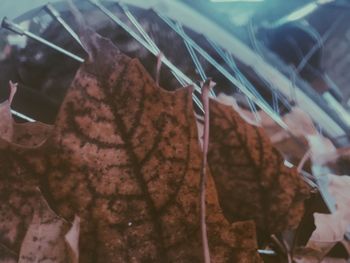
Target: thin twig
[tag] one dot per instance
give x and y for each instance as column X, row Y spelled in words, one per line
column 159, row 64
column 207, row 85
column 289, row 255
column 303, row 160
column 13, row 90
column 279, row 244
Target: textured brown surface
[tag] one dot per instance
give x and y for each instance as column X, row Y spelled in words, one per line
column 251, row 179
column 19, row 194
column 19, row 197
column 124, row 156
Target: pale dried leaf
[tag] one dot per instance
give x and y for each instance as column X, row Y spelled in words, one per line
column 313, row 255
column 72, row 240
column 331, row 228
column 339, row 188
column 334, row 260
column 248, row 116
column 30, row 134
column 6, row 121
column 322, row 149
column 44, row 240
column 310, row 259
column 292, row 143
column 299, row 123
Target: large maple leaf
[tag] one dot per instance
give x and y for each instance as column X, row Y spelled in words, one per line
column 124, row 156
column 250, row 175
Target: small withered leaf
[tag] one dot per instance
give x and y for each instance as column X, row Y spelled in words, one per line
column 251, row 179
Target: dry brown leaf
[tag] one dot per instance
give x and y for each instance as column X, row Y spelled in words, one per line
column 7, row 253
column 19, row 198
column 23, row 212
column 250, row 175
column 124, row 157
column 292, row 144
column 18, row 193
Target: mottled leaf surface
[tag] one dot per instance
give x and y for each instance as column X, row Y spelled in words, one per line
column 18, row 187
column 23, row 212
column 44, row 240
column 251, row 179
column 124, row 156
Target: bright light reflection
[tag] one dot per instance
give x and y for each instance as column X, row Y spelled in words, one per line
column 304, row 11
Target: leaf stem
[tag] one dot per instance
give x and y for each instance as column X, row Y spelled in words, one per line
column 206, row 86
column 159, row 64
